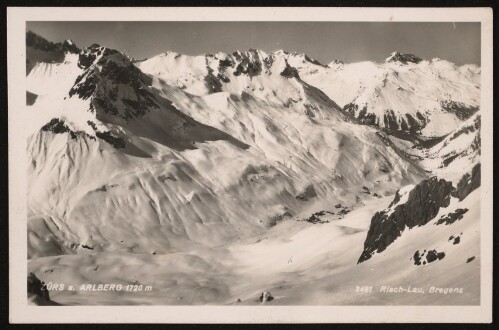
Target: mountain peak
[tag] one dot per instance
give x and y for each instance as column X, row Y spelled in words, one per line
column 69, row 46
column 38, row 42
column 296, row 55
column 280, row 52
column 114, row 85
column 403, row 58
column 39, row 49
column 336, row 62
column 94, row 46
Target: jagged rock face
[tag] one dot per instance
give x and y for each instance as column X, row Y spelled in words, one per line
column 472, row 127
column 115, row 86
column 468, row 183
column 461, row 110
column 420, row 206
column 70, row 47
column 362, row 115
column 460, row 147
column 290, row 72
column 58, row 126
column 91, row 53
column 248, row 63
column 214, row 83
column 403, row 58
column 314, row 61
column 390, row 122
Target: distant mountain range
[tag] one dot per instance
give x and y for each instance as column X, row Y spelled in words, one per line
column 181, row 153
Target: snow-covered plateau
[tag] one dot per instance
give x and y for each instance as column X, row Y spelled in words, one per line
column 210, row 179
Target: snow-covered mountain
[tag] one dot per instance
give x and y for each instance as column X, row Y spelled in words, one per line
column 269, row 77
column 415, row 206
column 405, row 95
column 198, row 156
column 39, row 49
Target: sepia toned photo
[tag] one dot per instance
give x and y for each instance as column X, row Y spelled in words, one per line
column 253, row 164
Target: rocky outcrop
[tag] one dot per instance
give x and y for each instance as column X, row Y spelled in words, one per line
column 265, row 296
column 468, row 183
column 249, row 64
column 401, row 106
column 212, row 82
column 416, row 208
column 430, row 257
column 403, row 58
column 455, row 239
column 461, row 110
column 115, row 86
column 307, row 194
column 422, row 205
column 107, row 136
column 452, row 217
column 390, row 122
column 433, row 255
column 316, row 217
column 459, row 150
column 30, row 98
column 472, row 127
column 290, row 72
column 365, row 118
column 58, row 126
column 37, row 291
column 314, row 61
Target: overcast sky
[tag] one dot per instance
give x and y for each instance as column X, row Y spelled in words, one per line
column 324, row 41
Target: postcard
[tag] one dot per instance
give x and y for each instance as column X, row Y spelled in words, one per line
column 250, row 165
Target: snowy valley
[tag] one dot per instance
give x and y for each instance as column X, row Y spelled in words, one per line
column 216, row 177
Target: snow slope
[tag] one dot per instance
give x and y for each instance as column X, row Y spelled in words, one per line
column 139, row 165
column 190, row 173
column 388, row 95
column 458, row 152
column 299, row 263
column 402, row 97
column 268, row 77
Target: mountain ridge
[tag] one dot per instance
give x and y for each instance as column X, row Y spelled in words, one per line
column 248, row 167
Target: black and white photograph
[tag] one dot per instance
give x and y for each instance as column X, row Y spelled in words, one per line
column 254, row 163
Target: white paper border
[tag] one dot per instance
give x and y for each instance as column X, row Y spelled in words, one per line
column 21, row 312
